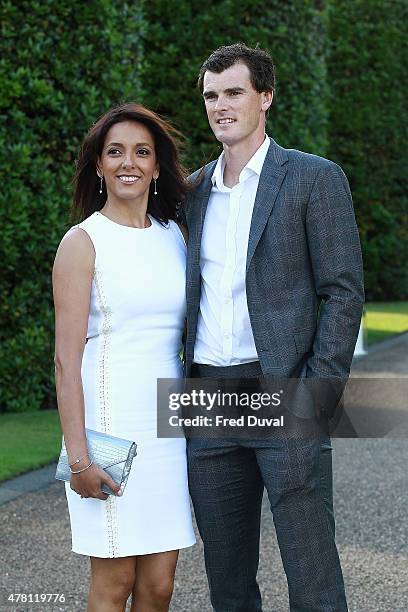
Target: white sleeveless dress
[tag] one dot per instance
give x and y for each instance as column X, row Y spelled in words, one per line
column 136, row 320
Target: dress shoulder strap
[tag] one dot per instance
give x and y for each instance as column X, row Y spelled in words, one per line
column 95, row 230
column 179, row 231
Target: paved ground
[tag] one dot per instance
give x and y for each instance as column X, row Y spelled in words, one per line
column 371, row 500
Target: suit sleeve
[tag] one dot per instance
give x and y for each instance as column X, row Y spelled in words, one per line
column 335, row 253
column 183, row 206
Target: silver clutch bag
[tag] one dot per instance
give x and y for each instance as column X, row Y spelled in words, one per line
column 114, row 455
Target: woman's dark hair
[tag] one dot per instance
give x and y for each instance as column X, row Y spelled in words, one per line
column 171, row 184
column 258, row 62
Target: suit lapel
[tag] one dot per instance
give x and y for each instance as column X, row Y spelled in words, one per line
column 196, row 216
column 201, row 198
column 273, row 172
column 270, row 181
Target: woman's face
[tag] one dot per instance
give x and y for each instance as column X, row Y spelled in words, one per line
column 128, row 161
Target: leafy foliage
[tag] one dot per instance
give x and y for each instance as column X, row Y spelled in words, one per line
column 179, row 36
column 62, row 65
column 368, row 133
column 341, row 92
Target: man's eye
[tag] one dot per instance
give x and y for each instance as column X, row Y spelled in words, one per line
column 235, row 93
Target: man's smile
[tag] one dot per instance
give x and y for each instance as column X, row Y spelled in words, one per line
column 225, row 121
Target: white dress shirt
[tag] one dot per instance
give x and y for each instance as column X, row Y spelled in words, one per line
column 224, row 334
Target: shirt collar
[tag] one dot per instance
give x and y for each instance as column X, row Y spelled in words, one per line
column 218, row 174
column 254, row 165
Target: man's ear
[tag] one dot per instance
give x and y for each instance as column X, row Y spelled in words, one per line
column 267, row 97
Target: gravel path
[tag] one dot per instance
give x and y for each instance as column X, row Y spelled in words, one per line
column 371, row 497
column 371, row 501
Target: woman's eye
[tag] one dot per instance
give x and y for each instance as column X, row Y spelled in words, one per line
column 113, row 151
column 143, row 152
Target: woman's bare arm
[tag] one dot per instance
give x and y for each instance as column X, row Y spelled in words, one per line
column 72, row 281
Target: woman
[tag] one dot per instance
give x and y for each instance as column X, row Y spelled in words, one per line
column 119, row 293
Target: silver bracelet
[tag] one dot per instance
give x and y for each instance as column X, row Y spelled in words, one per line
column 76, row 461
column 83, row 469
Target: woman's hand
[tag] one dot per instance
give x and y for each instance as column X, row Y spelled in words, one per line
column 88, row 483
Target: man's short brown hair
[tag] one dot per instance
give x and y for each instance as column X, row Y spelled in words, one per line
column 258, row 62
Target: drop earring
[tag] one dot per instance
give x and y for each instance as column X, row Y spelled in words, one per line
column 155, row 186
column 100, row 189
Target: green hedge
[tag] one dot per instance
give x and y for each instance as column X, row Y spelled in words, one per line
column 178, row 37
column 62, row 65
column 368, row 136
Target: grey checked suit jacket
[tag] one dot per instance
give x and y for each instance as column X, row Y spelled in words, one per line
column 304, row 278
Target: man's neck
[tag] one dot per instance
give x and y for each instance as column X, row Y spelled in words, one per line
column 238, row 155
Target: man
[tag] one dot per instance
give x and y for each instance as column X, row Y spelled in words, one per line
column 274, row 287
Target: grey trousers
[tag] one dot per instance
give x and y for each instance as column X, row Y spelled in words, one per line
column 227, row 479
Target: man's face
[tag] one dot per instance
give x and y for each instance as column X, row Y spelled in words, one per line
column 235, row 110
